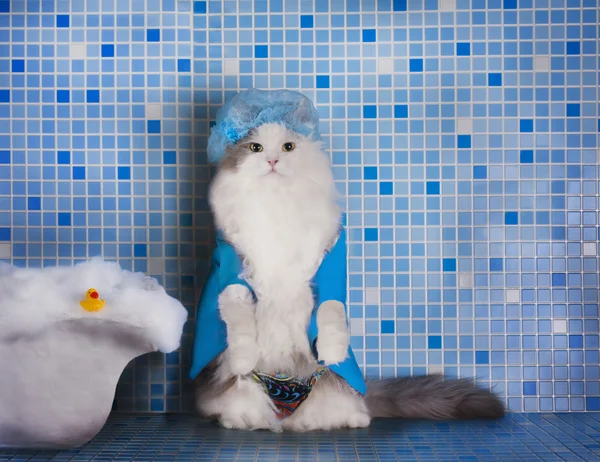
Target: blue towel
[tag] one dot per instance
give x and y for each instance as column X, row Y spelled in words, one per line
column 211, row 334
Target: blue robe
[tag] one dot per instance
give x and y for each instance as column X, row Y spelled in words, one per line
column 329, row 283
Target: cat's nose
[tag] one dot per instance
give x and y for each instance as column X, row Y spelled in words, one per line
column 272, row 163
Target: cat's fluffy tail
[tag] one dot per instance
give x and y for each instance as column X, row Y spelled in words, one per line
column 431, row 397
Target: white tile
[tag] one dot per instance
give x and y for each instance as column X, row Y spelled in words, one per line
column 231, row 67
column 465, row 125
column 5, row 250
column 559, row 326
column 542, row 63
column 77, row 51
column 447, row 5
column 465, row 280
column 385, row 65
column 156, row 266
column 435, row 369
column 589, row 248
column 357, row 326
column 513, row 296
column 371, row 296
column 153, row 111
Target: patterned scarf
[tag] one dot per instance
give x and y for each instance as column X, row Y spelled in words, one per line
column 287, row 392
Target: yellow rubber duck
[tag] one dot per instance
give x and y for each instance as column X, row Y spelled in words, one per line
column 92, row 301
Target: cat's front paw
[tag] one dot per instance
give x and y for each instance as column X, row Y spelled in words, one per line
column 237, row 310
column 334, row 338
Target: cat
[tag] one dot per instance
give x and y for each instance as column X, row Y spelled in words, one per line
column 274, row 199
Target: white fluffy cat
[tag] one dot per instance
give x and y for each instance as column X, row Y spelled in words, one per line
column 274, row 200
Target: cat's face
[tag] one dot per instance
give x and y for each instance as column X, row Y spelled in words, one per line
column 273, row 153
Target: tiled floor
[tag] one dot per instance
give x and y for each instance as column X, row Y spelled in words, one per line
column 160, row 437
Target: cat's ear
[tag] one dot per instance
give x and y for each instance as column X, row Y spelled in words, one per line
column 304, row 115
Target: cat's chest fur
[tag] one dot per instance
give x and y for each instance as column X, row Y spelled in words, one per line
column 282, row 238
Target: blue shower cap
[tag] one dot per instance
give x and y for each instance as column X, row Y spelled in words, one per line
column 251, row 108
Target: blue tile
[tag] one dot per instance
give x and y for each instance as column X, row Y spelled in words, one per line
column 370, row 173
column 592, row 404
column 123, row 173
column 199, row 7
column 401, row 111
column 307, row 21
column 575, row 341
column 529, row 388
column 93, row 96
column 495, row 79
column 433, row 187
column 416, row 65
column 154, row 126
column 463, row 49
column 371, row 234
column 5, row 234
column 169, row 157
column 526, row 157
column 34, row 203
column 496, row 264
column 108, row 50
column 386, row 188
column 63, row 157
column 64, row 219
column 479, row 172
column 18, row 65
column 511, row 218
column 510, row 4
column 370, row 112
column 573, row 110
column 261, row 51
column 482, row 357
column 387, row 327
column 322, row 81
column 400, row 5
column 573, row 48
column 463, row 141
column 139, row 250
column 184, row 65
column 526, row 126
column 157, row 405
column 434, row 342
column 63, row 96
column 62, row 20
column 369, row 35
column 449, row 264
column 79, row 173
column 559, row 279
column 153, row 35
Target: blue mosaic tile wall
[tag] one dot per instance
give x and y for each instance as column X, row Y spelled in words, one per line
column 463, row 133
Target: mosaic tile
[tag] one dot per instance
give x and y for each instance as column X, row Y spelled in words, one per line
column 518, row 437
column 464, row 135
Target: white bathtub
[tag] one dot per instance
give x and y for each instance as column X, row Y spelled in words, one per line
column 59, row 364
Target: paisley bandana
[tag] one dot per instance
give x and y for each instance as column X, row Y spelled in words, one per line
column 286, row 391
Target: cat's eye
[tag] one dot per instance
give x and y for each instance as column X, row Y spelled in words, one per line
column 256, row 147
column 289, row 146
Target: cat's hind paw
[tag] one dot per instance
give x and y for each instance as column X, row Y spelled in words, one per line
column 359, row 421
